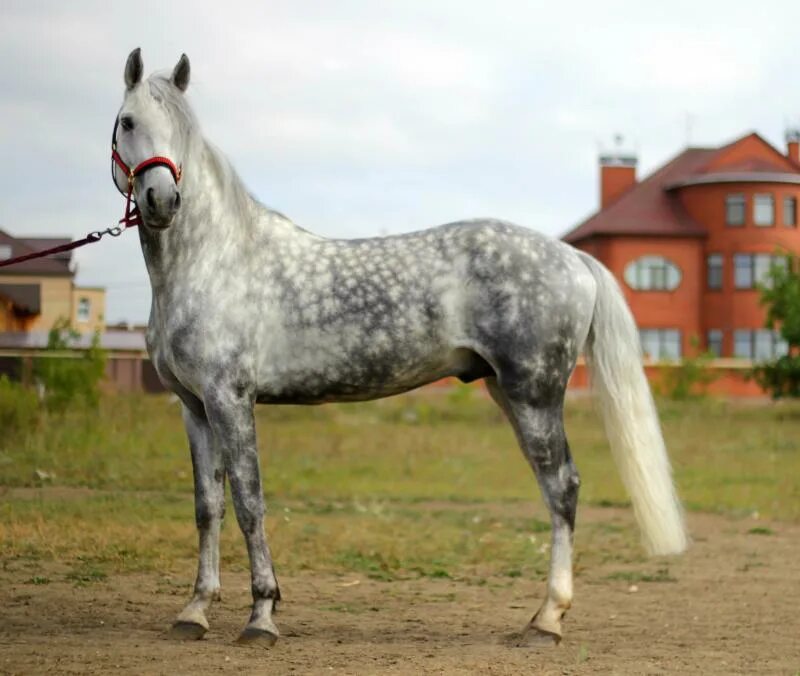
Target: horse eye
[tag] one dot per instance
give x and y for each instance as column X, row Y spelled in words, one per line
column 126, row 122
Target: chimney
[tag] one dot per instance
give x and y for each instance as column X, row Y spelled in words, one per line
column 793, row 144
column 617, row 173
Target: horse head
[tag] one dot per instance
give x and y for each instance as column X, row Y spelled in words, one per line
column 151, row 139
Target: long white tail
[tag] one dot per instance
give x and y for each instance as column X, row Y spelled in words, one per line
column 629, row 413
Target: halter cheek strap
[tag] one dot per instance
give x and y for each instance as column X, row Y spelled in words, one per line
column 132, row 215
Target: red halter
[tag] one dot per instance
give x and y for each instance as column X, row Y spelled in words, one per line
column 132, row 215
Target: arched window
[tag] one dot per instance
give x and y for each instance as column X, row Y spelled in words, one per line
column 652, row 273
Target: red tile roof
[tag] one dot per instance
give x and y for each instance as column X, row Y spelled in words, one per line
column 754, row 164
column 649, row 207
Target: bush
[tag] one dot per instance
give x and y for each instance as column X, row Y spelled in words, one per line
column 19, row 409
column 781, row 296
column 70, row 380
column 781, row 378
column 689, row 379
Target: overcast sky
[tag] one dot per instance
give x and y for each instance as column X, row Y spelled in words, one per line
column 359, row 118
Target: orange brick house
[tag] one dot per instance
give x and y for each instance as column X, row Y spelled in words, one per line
column 690, row 243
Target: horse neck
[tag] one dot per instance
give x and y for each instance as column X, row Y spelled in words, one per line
column 216, row 225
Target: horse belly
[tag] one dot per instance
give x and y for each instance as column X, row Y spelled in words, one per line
column 365, row 379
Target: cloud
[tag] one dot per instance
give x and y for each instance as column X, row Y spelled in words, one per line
column 357, row 118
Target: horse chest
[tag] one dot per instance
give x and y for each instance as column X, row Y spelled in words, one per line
column 188, row 351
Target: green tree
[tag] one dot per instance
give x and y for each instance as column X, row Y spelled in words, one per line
column 69, row 379
column 781, row 295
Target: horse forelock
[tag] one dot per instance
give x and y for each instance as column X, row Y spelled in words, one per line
column 164, row 92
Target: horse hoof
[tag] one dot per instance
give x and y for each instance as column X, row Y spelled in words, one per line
column 187, row 631
column 537, row 636
column 532, row 637
column 257, row 637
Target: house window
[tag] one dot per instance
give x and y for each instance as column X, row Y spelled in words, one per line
column 743, row 271
column 764, row 209
column 714, row 342
column 661, row 343
column 750, row 270
column 5, row 252
column 758, row 344
column 790, row 211
column 652, row 273
column 715, row 270
column 734, row 209
column 84, row 309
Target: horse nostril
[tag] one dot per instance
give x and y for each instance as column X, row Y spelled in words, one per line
column 177, row 203
column 151, row 198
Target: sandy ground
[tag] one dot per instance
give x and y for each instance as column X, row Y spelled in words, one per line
column 734, row 607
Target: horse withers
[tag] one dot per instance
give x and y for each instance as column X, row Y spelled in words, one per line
column 249, row 308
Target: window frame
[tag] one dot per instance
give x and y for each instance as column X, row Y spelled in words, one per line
column 719, row 335
column 737, row 200
column 737, row 258
column 720, row 268
column 664, row 336
column 755, row 265
column 789, row 200
column 652, row 272
column 763, row 196
column 84, row 317
column 778, row 347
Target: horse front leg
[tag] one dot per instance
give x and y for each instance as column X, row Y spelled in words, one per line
column 230, row 413
column 209, row 505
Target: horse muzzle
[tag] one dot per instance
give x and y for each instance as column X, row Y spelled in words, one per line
column 158, row 206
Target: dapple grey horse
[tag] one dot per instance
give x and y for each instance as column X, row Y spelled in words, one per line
column 249, row 308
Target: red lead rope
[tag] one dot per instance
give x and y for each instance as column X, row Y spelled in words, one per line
column 89, row 239
column 131, row 219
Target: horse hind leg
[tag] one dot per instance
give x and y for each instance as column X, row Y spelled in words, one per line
column 539, row 427
column 209, row 488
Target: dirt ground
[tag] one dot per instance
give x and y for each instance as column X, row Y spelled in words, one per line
column 732, row 607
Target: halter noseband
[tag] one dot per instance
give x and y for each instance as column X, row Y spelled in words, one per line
column 132, row 215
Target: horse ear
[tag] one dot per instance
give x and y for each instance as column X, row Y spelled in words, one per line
column 180, row 76
column 134, row 68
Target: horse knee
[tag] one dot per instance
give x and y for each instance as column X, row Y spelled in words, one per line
column 205, row 515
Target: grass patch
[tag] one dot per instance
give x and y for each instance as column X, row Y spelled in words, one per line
column 38, row 579
column 372, row 564
column 761, row 530
column 660, row 575
column 427, row 484
column 728, row 456
column 86, row 574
